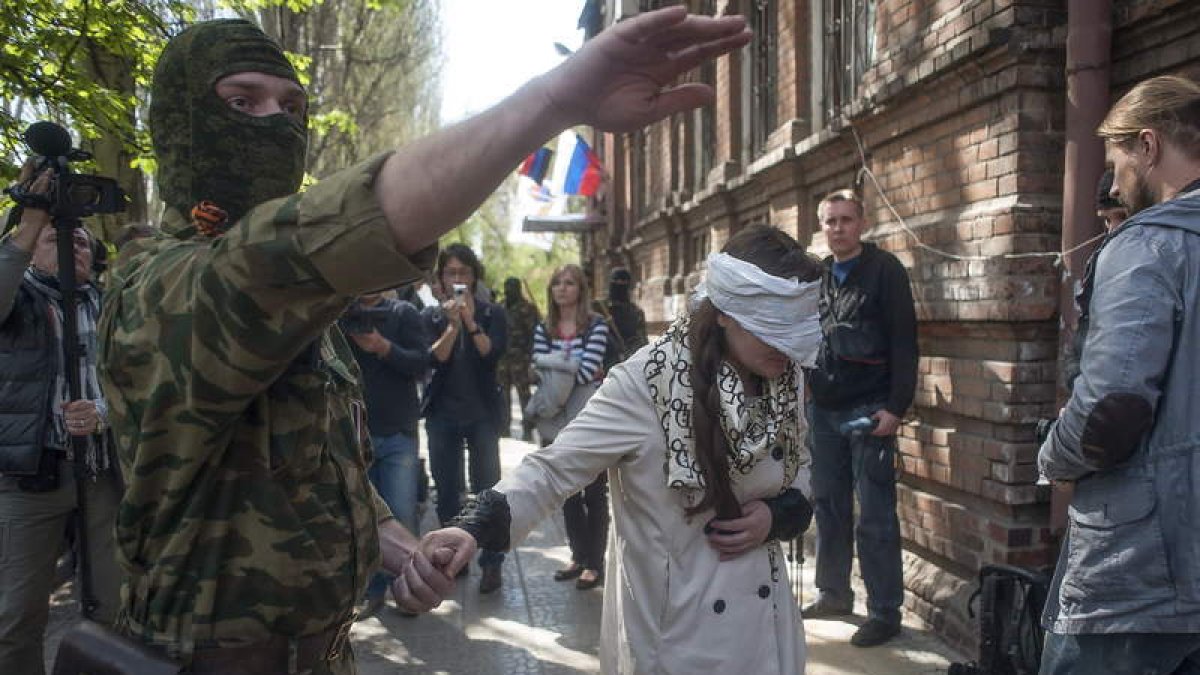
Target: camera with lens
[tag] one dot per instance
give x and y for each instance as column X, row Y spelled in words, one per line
column 359, row 319
column 72, row 195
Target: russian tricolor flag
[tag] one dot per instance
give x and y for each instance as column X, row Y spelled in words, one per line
column 583, row 172
column 536, row 165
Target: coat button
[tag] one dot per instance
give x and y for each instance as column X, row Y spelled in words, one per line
column 719, row 606
column 777, row 452
column 764, row 591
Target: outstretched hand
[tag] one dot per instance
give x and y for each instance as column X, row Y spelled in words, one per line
column 622, row 79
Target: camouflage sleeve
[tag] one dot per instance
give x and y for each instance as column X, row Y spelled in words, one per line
column 383, row 512
column 346, row 236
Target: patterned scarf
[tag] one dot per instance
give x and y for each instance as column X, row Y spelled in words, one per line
column 753, row 428
column 87, row 308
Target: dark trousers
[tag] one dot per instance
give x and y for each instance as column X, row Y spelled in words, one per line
column 32, row 525
column 1121, row 654
column 586, row 517
column 446, row 439
column 844, row 467
column 523, row 395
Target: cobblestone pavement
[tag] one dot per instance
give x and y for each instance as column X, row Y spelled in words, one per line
column 538, row 626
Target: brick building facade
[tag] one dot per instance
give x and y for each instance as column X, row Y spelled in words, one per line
column 949, row 118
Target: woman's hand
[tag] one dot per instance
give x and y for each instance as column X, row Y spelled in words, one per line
column 81, row 417
column 732, row 538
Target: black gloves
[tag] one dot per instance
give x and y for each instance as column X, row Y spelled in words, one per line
column 487, row 518
column 791, row 514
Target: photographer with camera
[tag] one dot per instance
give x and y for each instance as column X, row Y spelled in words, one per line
column 38, row 419
column 389, row 342
column 463, row 402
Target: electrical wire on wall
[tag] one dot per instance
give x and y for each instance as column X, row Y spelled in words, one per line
column 866, row 169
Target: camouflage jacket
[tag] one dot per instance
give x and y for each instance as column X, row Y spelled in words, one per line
column 514, row 365
column 239, row 418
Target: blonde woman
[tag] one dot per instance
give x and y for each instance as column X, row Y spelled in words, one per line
column 574, row 331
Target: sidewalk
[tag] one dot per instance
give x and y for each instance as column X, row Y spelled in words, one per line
column 536, row 625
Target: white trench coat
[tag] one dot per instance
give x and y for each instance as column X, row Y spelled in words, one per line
column 670, row 606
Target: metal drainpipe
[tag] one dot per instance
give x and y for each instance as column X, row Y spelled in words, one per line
column 1089, row 49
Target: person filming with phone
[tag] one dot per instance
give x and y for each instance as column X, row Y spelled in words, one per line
column 462, row 402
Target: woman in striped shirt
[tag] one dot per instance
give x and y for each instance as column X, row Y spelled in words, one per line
column 572, row 327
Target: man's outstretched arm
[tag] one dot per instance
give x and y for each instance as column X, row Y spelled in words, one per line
column 619, row 81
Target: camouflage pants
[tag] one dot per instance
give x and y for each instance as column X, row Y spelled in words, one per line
column 514, row 373
column 523, row 394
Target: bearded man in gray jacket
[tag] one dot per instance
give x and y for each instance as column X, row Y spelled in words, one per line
column 1126, row 594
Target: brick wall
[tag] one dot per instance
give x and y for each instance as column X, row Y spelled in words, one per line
column 961, row 123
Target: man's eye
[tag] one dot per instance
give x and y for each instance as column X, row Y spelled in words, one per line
column 238, row 102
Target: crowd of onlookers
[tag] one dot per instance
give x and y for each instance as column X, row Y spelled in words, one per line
column 455, row 363
column 211, row 430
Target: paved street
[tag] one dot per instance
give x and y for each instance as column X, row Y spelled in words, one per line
column 538, row 626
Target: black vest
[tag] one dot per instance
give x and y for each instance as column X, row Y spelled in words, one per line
column 27, row 367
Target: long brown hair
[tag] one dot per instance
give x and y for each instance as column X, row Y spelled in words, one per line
column 778, row 254
column 583, row 310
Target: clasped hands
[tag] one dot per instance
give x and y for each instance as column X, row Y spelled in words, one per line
column 428, row 576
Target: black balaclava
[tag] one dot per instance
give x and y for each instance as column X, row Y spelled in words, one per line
column 207, row 151
column 512, row 291
column 618, row 285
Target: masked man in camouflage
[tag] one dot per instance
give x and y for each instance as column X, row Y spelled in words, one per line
column 516, row 367
column 249, row 528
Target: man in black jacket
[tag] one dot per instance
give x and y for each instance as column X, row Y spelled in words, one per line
column 867, row 368
column 628, row 319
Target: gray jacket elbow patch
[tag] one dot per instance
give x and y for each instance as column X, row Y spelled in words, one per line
column 1114, row 428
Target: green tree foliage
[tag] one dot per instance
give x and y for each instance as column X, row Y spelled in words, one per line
column 78, row 62
column 371, row 68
